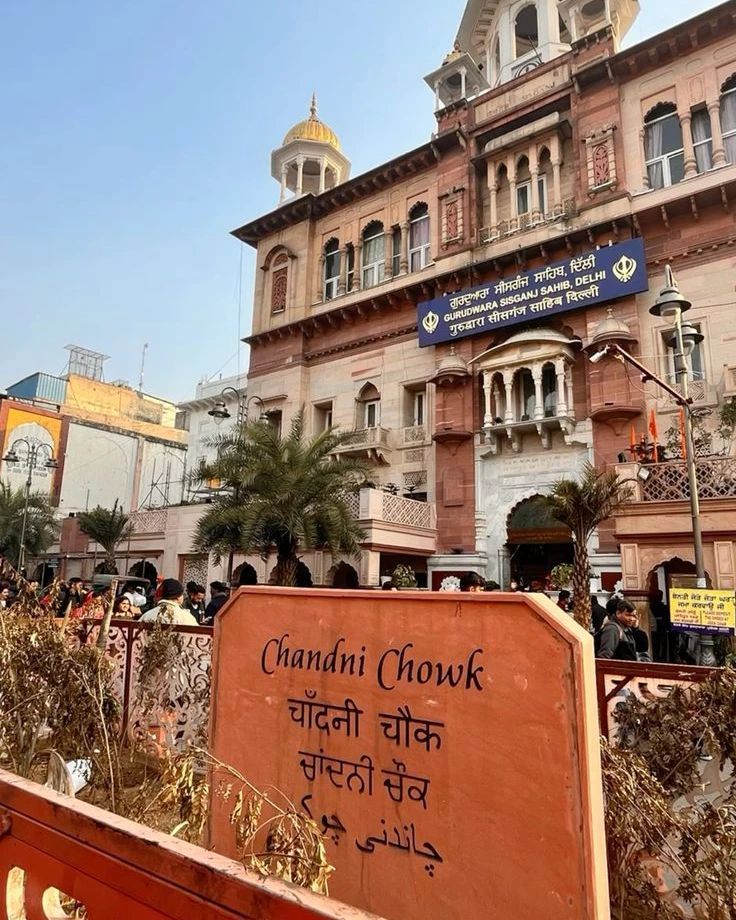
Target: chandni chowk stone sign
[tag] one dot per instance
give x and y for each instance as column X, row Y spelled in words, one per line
column 446, row 744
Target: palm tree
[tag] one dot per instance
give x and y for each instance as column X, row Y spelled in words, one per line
column 290, row 492
column 583, row 504
column 41, row 525
column 109, row 527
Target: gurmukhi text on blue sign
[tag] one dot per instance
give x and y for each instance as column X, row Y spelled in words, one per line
column 580, row 281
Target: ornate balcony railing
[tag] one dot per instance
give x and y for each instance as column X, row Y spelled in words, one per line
column 188, row 709
column 699, row 391
column 408, row 511
column 153, row 521
column 373, row 443
column 566, row 209
column 377, row 505
column 668, row 482
column 414, row 434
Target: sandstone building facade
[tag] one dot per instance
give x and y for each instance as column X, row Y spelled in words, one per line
column 551, row 144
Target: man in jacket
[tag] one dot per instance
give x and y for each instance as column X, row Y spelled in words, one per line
column 169, row 609
column 616, row 639
column 219, row 593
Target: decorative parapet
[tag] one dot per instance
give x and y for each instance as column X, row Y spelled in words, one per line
column 153, row 521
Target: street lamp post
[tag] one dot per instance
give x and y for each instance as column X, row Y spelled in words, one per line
column 34, row 452
column 670, row 304
column 220, row 411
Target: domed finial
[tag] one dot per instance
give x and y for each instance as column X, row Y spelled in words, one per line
column 313, row 106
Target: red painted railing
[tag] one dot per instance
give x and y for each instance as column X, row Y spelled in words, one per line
column 51, row 844
column 618, row 679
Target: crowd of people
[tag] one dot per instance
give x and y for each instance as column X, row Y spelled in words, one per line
column 78, row 598
column 615, row 627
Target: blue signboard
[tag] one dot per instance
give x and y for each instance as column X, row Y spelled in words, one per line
column 572, row 284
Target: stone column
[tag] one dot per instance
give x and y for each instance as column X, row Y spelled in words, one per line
column 437, row 100
column 321, row 282
column 322, row 171
column 570, row 396
column 556, row 183
column 561, row 389
column 487, row 407
column 690, row 164
column 513, row 213
column 388, row 267
column 534, row 196
column 342, row 282
column 299, row 174
column 491, row 179
column 508, row 382
column 358, row 266
column 538, row 396
column 284, row 170
column 404, row 255
column 463, row 82
column 719, row 151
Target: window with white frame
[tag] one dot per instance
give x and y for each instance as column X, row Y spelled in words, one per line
column 418, row 237
column 419, row 400
column 332, row 269
column 694, row 361
column 371, row 413
column 524, row 196
column 663, row 150
column 702, row 139
column 728, row 117
column 323, row 416
column 368, row 406
column 374, row 254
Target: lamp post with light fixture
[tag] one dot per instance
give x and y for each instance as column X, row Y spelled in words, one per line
column 219, row 411
column 33, row 455
column 671, row 304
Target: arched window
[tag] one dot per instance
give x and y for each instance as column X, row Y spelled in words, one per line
column 368, row 407
column 332, row 269
column 728, row 117
column 374, row 254
column 526, row 30
column 418, row 237
column 279, row 282
column 663, row 153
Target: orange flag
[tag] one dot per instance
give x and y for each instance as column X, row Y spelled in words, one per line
column 632, row 439
column 683, row 442
column 653, row 427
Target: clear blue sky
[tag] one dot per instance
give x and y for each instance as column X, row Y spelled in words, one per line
column 136, row 135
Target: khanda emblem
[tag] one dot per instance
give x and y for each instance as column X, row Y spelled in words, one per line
column 624, row 269
column 430, row 322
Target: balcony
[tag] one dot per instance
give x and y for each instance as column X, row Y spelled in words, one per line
column 701, row 394
column 369, row 443
column 396, row 523
column 562, row 210
column 544, row 427
column 668, row 482
column 414, row 435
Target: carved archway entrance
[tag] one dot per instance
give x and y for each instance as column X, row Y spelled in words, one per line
column 536, row 541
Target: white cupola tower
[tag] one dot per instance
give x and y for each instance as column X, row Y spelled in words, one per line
column 501, row 40
column 310, row 160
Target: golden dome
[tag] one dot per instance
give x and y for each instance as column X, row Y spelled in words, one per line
column 454, row 54
column 312, row 129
